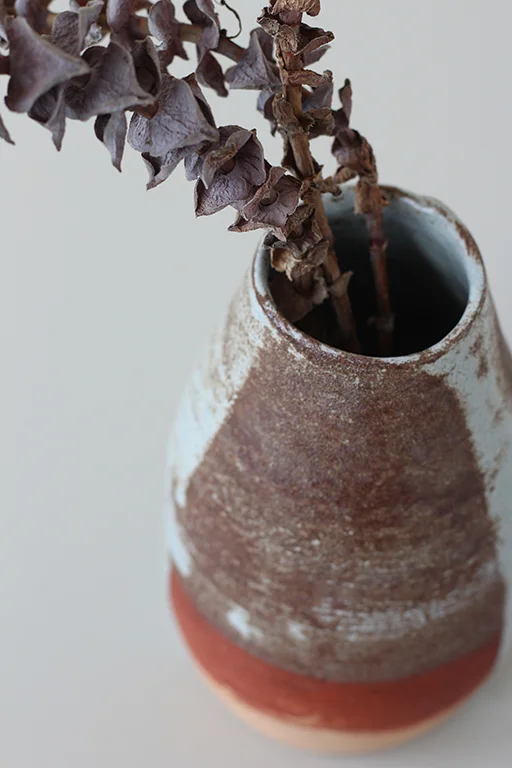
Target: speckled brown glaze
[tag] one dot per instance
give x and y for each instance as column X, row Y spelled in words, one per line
column 337, row 516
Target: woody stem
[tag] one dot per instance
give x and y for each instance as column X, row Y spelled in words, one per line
column 305, row 164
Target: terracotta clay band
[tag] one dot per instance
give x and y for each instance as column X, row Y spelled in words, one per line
column 354, row 707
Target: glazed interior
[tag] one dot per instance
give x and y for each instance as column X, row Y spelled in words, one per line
column 429, row 272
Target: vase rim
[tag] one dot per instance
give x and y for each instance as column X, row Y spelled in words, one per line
column 474, row 269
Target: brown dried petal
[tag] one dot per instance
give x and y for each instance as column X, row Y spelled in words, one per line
column 50, row 111
column 302, row 228
column 34, row 12
column 313, row 38
column 202, row 12
column 257, row 69
column 112, row 86
column 323, row 123
column 165, row 27
column 285, row 116
column 346, row 99
column 210, row 74
column 284, row 258
column 70, row 29
column 269, row 23
column 230, row 172
column 4, row 133
column 272, row 205
column 292, row 304
column 179, row 122
column 36, row 66
column 312, row 7
column 111, row 131
column 287, row 38
column 308, row 77
column 239, row 143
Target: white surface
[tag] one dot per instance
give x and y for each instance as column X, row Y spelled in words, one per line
column 105, row 298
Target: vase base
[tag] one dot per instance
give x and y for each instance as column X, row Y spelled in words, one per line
column 298, row 735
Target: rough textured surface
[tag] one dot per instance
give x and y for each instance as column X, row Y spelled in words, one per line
column 337, row 516
column 357, row 708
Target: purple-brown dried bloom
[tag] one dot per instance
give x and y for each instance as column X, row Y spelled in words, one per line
column 111, row 131
column 257, row 69
column 125, row 25
column 71, row 29
column 70, row 33
column 160, row 168
column 319, row 98
column 209, row 71
column 202, row 13
column 165, row 27
column 35, row 13
column 229, row 173
column 274, row 202
column 147, row 65
column 36, row 66
column 312, row 7
column 50, row 112
column 112, row 86
column 183, row 120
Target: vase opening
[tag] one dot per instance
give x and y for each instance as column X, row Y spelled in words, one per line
column 428, row 274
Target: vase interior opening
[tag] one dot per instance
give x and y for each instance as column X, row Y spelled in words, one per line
column 428, row 275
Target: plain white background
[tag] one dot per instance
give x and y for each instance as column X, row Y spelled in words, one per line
column 107, row 294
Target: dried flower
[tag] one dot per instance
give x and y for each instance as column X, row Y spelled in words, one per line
column 70, row 72
column 312, row 7
column 229, row 173
column 112, row 86
column 257, row 69
column 272, row 205
column 50, row 111
column 160, row 168
column 202, row 13
column 111, row 131
column 36, row 66
column 319, row 98
column 183, row 120
column 165, row 27
column 35, row 14
column 147, row 65
column 70, row 30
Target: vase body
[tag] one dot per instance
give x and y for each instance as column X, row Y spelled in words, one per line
column 340, row 526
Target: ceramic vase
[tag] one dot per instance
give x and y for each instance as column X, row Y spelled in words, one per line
column 340, row 526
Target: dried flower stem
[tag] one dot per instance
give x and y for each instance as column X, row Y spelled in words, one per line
column 301, row 148
column 378, row 251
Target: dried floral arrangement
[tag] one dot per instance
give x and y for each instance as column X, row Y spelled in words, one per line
column 103, row 61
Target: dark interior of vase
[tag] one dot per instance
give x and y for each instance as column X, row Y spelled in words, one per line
column 427, row 273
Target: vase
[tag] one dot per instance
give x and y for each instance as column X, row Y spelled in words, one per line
column 340, row 526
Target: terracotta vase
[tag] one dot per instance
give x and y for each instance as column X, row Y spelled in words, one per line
column 340, row 526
